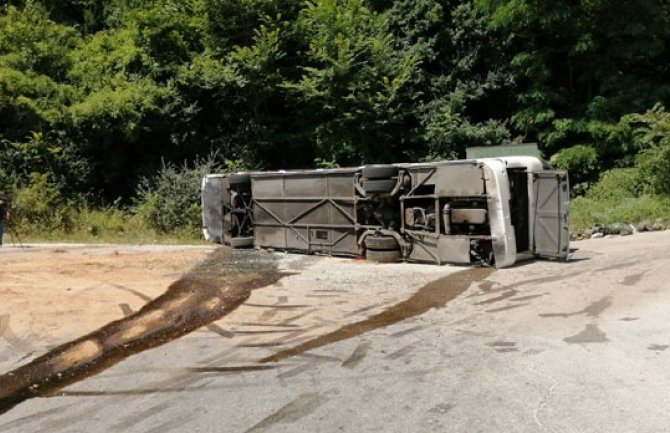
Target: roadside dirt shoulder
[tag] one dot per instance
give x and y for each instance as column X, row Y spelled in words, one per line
column 52, row 294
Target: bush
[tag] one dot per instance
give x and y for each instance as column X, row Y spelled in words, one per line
column 170, row 201
column 586, row 213
column 40, row 206
column 52, row 154
column 617, row 184
column 618, row 197
column 655, row 168
column 652, row 136
column 581, row 162
column 167, row 209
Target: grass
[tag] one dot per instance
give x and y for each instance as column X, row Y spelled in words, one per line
column 587, row 212
column 618, row 197
column 105, row 226
column 114, row 226
column 610, row 201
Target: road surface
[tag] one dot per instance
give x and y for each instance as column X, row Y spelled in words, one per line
column 340, row 345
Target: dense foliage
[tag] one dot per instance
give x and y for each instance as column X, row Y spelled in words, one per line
column 96, row 96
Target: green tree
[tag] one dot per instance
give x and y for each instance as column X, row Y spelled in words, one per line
column 462, row 86
column 130, row 113
column 34, row 61
column 353, row 82
column 582, row 65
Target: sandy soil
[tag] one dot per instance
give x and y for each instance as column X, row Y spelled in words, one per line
column 50, row 294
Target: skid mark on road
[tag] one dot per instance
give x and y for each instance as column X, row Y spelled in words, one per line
column 364, row 309
column 33, row 418
column 598, row 307
column 281, row 307
column 658, row 347
column 357, row 355
column 324, row 358
column 593, row 310
column 590, row 334
column 555, row 278
column 403, row 351
column 128, row 392
column 506, row 295
column 292, row 319
column 137, row 293
column 631, row 280
column 506, row 308
column 184, row 382
column 266, row 325
column 230, row 369
column 220, row 331
column 504, row 346
column 302, row 406
column 126, row 310
column 269, row 314
column 264, row 332
column 63, row 422
column 435, row 294
column 188, row 382
column 137, row 417
column 487, row 286
column 172, row 425
column 271, row 344
column 441, row 408
column 618, row 266
column 408, row 331
column 527, row 298
column 297, row 370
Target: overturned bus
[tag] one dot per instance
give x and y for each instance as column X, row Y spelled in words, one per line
column 493, row 211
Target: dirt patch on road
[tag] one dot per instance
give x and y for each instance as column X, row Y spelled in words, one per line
column 207, row 293
column 52, row 295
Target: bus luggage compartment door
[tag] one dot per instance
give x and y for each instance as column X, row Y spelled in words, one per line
column 551, row 234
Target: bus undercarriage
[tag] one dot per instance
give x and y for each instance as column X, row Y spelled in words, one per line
column 492, row 211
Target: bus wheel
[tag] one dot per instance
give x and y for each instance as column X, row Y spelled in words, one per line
column 239, row 179
column 379, row 171
column 381, row 243
column 246, row 242
column 379, row 186
column 383, row 256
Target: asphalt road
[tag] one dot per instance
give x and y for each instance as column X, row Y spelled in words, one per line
column 351, row 346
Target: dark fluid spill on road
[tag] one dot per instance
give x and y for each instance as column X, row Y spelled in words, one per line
column 211, row 290
column 435, row 294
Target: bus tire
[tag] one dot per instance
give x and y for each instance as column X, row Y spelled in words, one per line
column 379, row 186
column 379, row 171
column 239, row 179
column 246, row 242
column 383, row 256
column 381, row 243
